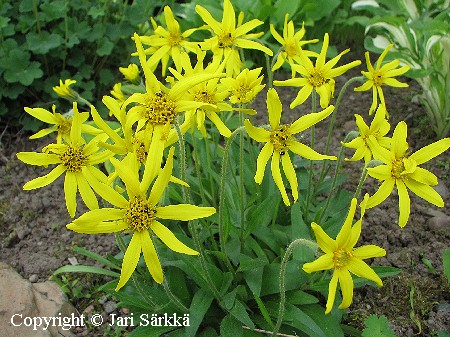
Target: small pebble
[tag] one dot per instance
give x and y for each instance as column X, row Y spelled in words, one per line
column 110, row 306
column 33, row 278
column 103, row 299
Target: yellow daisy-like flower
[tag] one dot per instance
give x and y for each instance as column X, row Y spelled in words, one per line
column 381, row 74
column 157, row 108
column 377, row 132
column 138, row 214
column 63, row 90
column 245, row 86
column 131, row 73
column 292, row 43
column 228, row 37
column 402, row 171
column 341, row 256
column 62, row 123
column 318, row 77
column 76, row 159
column 169, row 43
column 279, row 140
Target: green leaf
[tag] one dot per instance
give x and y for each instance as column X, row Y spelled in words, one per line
column 247, row 263
column 85, row 269
column 105, row 48
column 377, row 327
column 42, row 42
column 96, row 257
column 95, row 12
column 24, row 76
column 446, row 261
column 230, row 327
column 54, row 10
column 240, row 313
column 199, row 306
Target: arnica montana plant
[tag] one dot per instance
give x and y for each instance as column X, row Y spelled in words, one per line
column 231, row 219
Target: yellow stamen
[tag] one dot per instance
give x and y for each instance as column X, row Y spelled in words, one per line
column 226, row 40
column 398, row 167
column 73, row 159
column 139, row 215
column 316, row 78
column 279, row 138
column 290, row 49
column 160, row 109
column 174, row 39
column 341, row 258
column 377, row 78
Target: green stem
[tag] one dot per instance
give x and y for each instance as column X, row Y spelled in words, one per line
column 222, row 226
column 192, row 224
column 211, row 182
column 175, row 300
column 333, row 119
column 361, row 182
column 283, row 265
column 241, row 181
column 310, row 184
column 197, row 169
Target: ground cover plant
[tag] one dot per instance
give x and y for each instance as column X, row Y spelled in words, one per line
column 183, row 176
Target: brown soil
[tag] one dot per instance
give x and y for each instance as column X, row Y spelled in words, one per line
column 34, row 240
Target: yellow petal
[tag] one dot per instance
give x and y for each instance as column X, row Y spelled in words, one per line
column 399, row 144
column 327, row 244
column 306, row 152
column 423, row 176
column 430, row 151
column 381, row 172
column 46, row 179
column 101, row 227
column 274, row 108
column 261, row 162
column 249, row 44
column 309, row 120
column 170, row 240
column 361, row 269
column 42, row 114
column 289, row 171
column 209, row 20
column 344, row 235
column 276, row 175
column 184, row 212
column 426, row 192
column 86, row 192
column 324, row 262
column 346, row 283
column 70, row 193
column 89, row 219
column 151, row 257
column 383, row 192
column 258, row 134
column 128, row 177
column 302, row 95
column 220, row 125
column 404, row 203
column 154, row 158
column 40, row 159
column 331, row 293
column 130, row 260
column 162, row 181
column 367, row 252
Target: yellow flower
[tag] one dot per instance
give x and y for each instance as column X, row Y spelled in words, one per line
column 341, row 256
column 319, row 77
column 77, row 160
column 377, row 132
column 138, row 214
column 157, row 108
column 118, row 93
column 280, row 140
column 169, row 43
column 292, row 44
column 380, row 75
column 228, row 37
column 402, row 171
column 131, row 73
column 245, row 86
column 61, row 123
column 64, row 90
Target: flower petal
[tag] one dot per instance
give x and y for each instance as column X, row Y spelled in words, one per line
column 154, row 158
column 383, row 192
column 184, row 212
column 327, row 244
column 170, row 240
column 404, row 203
column 426, row 192
column 274, row 108
column 289, row 171
column 309, row 120
column 101, row 227
column 151, row 257
column 323, row 262
column 276, row 175
column 46, row 179
column 261, row 162
column 346, row 283
column 430, row 151
column 306, row 152
column 259, row 134
column 40, row 159
column 361, row 269
column 162, row 181
column 70, row 193
column 331, row 292
column 86, row 192
column 368, row 252
column 130, row 259
column 399, row 144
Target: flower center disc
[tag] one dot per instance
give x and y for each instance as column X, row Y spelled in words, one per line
column 139, row 215
column 377, row 78
column 341, row 258
column 398, row 167
column 73, row 159
column 226, row 40
column 316, row 79
column 279, row 139
column 64, row 127
column 174, row 39
column 291, row 49
column 205, row 97
column 160, row 109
